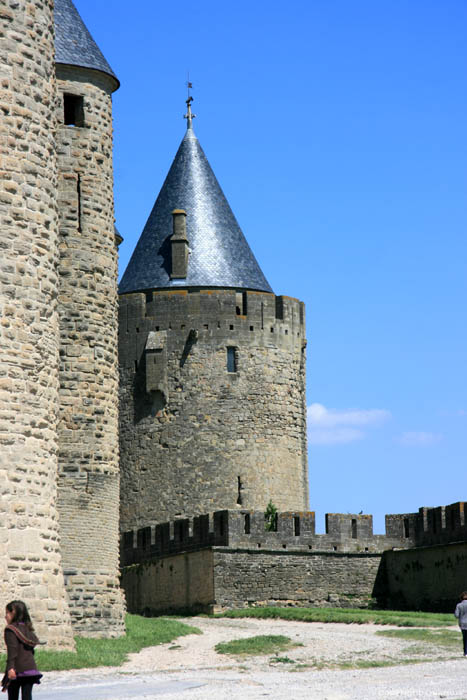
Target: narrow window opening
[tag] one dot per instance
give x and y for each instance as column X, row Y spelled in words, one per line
column 354, row 528
column 73, row 110
column 206, row 326
column 334, row 549
column 252, row 328
column 182, row 326
column 231, row 327
column 157, row 328
column 231, row 360
column 137, row 329
column 148, row 297
column 262, row 316
column 286, row 332
column 259, row 545
column 78, row 192
column 239, row 491
column 136, row 365
column 296, row 525
column 284, row 546
column 272, row 329
column 280, row 308
column 238, row 303
column 246, row 526
column 366, row 549
column 406, row 527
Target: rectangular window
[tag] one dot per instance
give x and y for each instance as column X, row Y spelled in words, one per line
column 231, row 359
column 73, row 108
column 354, row 528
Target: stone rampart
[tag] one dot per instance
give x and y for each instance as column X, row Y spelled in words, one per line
column 425, row 578
column 295, row 531
column 212, row 403
column 430, row 526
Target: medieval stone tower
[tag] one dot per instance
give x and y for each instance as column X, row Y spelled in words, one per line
column 212, row 363
column 59, row 548
column 88, row 423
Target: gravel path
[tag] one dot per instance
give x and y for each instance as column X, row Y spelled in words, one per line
column 190, row 668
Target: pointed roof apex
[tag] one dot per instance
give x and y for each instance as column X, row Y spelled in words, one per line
column 218, row 253
column 74, row 45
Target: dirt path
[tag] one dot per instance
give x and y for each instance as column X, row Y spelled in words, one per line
column 321, row 645
column 323, row 667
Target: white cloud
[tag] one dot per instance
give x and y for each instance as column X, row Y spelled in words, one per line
column 419, row 439
column 330, row 426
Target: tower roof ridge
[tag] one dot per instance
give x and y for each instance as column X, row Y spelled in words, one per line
column 74, row 44
column 219, row 254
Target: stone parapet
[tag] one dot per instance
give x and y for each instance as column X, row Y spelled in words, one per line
column 294, row 531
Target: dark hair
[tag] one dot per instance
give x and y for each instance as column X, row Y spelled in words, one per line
column 21, row 614
column 463, row 595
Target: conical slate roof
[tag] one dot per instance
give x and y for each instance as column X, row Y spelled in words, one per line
column 73, row 43
column 219, row 253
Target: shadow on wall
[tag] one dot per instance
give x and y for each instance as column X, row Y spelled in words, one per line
column 424, row 578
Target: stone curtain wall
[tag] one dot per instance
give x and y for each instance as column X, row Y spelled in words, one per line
column 303, row 579
column 216, row 579
column 425, row 578
column 195, row 436
column 88, row 426
column 30, row 566
column 181, row 582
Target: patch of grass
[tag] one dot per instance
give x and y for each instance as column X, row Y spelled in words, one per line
column 442, row 638
column 259, row 645
column 346, row 615
column 140, row 632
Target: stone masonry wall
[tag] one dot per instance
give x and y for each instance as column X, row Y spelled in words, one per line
column 88, row 425
column 244, row 578
column 425, row 578
column 181, row 582
column 196, row 433
column 30, row 565
column 219, row 578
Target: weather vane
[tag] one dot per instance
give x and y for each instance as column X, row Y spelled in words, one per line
column 189, row 116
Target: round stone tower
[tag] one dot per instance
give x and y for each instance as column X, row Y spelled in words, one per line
column 88, row 422
column 212, row 363
column 30, row 566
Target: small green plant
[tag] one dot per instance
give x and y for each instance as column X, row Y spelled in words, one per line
column 270, row 518
column 256, row 646
column 281, row 660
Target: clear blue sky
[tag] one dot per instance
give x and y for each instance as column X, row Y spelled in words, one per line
column 337, row 131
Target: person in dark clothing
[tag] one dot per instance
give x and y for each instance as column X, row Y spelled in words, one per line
column 20, row 639
column 461, row 614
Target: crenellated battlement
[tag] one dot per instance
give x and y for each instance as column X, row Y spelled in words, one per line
column 295, row 531
column 224, row 315
column 430, row 526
